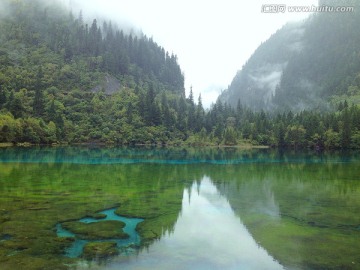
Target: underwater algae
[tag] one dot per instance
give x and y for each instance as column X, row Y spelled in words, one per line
column 36, row 197
column 302, row 209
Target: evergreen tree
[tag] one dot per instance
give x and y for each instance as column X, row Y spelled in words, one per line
column 16, row 107
column 182, row 115
column 191, row 112
column 200, row 115
column 52, row 112
column 345, row 128
column 152, row 112
column 3, row 98
column 39, row 99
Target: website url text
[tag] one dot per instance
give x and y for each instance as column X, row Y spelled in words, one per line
column 282, row 8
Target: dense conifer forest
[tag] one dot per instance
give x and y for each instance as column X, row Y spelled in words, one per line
column 66, row 80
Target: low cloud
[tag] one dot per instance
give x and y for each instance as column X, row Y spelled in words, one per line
column 210, row 94
column 267, row 77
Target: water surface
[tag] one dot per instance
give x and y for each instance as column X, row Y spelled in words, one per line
column 207, row 235
column 201, row 208
column 127, row 245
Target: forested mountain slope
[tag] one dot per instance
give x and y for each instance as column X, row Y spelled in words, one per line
column 63, row 79
column 305, row 65
column 57, row 72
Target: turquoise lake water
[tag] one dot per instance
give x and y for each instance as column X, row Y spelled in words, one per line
column 203, row 208
column 76, row 249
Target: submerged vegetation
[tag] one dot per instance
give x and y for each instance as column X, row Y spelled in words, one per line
column 293, row 204
column 97, row 230
column 31, row 207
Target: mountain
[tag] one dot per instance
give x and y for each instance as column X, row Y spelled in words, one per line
column 66, row 79
column 304, row 65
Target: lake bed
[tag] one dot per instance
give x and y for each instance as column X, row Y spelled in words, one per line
column 195, row 208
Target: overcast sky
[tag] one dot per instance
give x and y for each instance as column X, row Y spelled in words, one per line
column 212, row 38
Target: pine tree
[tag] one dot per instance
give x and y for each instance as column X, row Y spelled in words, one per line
column 182, row 115
column 200, row 115
column 345, row 128
column 191, row 96
column 39, row 99
column 3, row 98
column 191, row 112
column 16, row 107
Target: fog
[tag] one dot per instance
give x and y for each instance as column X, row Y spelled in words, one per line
column 268, row 77
column 212, row 39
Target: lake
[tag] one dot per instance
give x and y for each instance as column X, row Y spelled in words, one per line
column 192, row 208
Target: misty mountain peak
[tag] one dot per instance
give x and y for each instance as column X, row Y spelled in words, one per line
column 304, row 65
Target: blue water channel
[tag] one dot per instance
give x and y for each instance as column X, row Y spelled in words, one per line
column 76, row 249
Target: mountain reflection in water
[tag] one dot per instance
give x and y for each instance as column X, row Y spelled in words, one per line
column 207, row 235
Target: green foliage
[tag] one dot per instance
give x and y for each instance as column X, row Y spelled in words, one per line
column 26, row 130
column 230, row 136
column 307, row 129
column 62, row 80
column 295, row 136
column 332, row 139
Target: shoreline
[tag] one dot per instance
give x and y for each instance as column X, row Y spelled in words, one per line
column 239, row 146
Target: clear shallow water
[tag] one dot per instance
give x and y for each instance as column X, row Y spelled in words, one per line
column 76, row 249
column 202, row 208
column 176, row 156
column 207, row 235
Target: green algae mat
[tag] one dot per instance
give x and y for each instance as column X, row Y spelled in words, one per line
column 157, row 208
